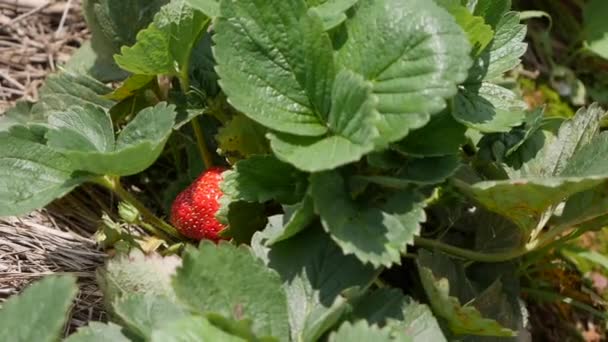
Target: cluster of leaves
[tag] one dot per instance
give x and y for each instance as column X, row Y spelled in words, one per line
column 366, row 137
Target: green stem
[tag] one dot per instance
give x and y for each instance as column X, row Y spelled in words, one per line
column 202, row 145
column 469, row 254
column 113, row 184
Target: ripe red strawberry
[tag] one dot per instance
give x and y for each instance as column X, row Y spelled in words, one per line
column 193, row 211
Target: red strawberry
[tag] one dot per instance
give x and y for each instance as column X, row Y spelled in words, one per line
column 193, row 211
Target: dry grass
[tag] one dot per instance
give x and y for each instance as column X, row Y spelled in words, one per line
column 35, row 37
column 38, row 245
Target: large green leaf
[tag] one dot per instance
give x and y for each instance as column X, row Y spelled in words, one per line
column 362, row 332
column 419, row 56
column 98, row 332
column 31, row 174
column 444, row 282
column 315, row 274
column 287, row 90
column 571, row 163
column 38, row 314
column 389, row 307
column 227, row 280
column 86, row 137
column 192, row 329
column 165, row 47
column 351, row 122
column 144, row 313
column 595, row 27
column 375, row 235
column 264, row 178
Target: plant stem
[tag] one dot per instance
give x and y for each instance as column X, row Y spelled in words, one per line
column 202, row 145
column 469, row 254
column 113, row 184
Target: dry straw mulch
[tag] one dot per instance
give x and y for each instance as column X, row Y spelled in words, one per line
column 36, row 37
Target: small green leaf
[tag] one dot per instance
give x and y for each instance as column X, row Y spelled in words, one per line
column 420, row 55
column 264, row 178
column 86, row 137
column 166, row 46
column 211, row 8
column 39, row 312
column 243, row 219
column 297, row 218
column 227, row 280
column 439, row 277
column 98, row 332
column 375, row 235
column 492, row 10
column 315, row 274
column 595, row 27
column 192, row 329
column 144, row 313
column 137, row 273
column 488, row 108
column 130, row 87
column 362, row 331
column 242, row 137
column 480, row 34
column 32, row 175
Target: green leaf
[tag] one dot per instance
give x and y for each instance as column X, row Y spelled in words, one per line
column 389, row 307
column 243, row 218
column 67, row 89
column 113, row 24
column 595, row 28
column 492, row 10
column 137, row 273
column 351, row 121
column 440, row 137
column 32, row 175
column 211, row 8
column 480, row 34
column 212, row 280
column 264, row 178
column 332, row 12
column 130, row 87
column 144, row 313
column 39, row 312
column 362, row 331
column 242, row 137
column 287, row 90
column 315, row 275
column 488, row 108
column 86, row 137
column 166, row 46
column 297, row 218
column 420, row 55
column 375, row 235
column 440, row 280
column 98, row 332
column 425, row 171
column 192, row 329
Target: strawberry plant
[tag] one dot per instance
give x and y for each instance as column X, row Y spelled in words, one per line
column 383, row 181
